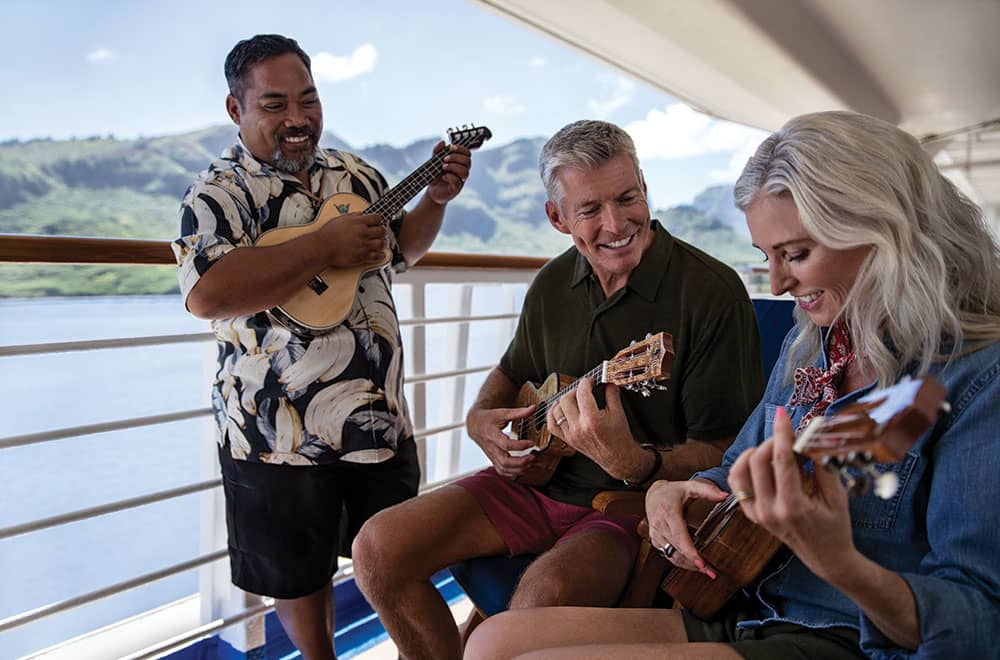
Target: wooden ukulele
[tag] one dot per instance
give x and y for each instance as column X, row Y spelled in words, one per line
column 636, row 368
column 879, row 428
column 326, row 299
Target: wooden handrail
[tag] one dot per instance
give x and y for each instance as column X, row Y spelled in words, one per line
column 89, row 250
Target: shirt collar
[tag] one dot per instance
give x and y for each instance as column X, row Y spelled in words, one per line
column 645, row 279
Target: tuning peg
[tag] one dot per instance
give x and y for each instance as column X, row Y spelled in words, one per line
column 855, row 486
column 886, row 485
column 644, row 387
column 648, row 335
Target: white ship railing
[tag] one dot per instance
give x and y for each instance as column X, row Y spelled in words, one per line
column 463, row 273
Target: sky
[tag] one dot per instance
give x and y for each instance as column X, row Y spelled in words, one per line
column 388, row 71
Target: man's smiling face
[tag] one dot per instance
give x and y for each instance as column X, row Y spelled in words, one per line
column 605, row 211
column 280, row 115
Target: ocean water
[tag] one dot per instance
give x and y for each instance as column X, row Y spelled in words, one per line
column 44, row 392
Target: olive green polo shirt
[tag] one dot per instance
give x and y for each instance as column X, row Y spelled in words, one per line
column 568, row 326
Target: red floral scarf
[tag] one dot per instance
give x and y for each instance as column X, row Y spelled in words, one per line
column 814, row 384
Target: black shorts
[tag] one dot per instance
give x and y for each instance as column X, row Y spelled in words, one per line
column 285, row 522
column 774, row 641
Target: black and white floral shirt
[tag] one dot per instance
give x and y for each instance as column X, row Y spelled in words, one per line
column 280, row 397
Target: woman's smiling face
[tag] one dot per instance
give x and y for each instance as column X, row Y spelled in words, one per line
column 819, row 277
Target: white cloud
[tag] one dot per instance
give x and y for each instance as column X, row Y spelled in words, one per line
column 620, row 96
column 536, row 62
column 680, row 132
column 101, row 54
column 336, row 68
column 736, row 163
column 504, row 105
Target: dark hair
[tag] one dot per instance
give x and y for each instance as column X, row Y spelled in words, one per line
column 256, row 49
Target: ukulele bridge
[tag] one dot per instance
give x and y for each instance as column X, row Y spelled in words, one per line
column 317, row 285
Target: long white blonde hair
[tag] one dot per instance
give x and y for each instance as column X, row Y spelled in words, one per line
column 931, row 286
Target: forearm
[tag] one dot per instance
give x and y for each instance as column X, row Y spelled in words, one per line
column 676, row 464
column 249, row 280
column 420, row 229
column 685, row 459
column 498, row 391
column 884, row 596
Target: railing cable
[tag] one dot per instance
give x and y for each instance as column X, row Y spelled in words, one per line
column 87, row 598
column 111, row 507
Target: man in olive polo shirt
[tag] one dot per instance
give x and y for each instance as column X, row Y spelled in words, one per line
column 624, row 277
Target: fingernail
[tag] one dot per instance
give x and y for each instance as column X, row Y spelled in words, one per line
column 780, row 413
column 710, row 573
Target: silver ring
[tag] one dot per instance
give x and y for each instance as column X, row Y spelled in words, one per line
column 560, row 421
column 668, row 550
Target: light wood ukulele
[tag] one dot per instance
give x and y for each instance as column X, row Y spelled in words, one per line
column 636, row 368
column 326, row 299
column 879, row 428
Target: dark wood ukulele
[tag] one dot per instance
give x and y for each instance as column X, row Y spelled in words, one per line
column 638, row 368
column 879, row 428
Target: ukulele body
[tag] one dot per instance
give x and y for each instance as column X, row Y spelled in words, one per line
column 736, row 548
column 550, row 449
column 324, row 302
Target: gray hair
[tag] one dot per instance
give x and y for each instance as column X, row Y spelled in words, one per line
column 585, row 145
column 932, row 279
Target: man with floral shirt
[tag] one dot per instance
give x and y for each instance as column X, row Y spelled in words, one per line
column 308, row 425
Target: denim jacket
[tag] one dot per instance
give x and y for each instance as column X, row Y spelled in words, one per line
column 940, row 531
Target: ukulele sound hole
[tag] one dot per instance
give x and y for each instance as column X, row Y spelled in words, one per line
column 318, row 285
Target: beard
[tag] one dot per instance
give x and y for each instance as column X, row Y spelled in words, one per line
column 293, row 165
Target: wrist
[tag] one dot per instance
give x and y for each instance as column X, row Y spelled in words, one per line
column 651, row 468
column 849, row 572
column 433, row 201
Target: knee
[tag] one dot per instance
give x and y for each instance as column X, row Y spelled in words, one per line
column 490, row 640
column 376, row 553
column 546, row 590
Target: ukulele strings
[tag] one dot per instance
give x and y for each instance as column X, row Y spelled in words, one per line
column 828, row 429
column 398, row 195
column 539, row 416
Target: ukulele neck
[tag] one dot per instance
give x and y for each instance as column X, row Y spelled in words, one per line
column 394, row 199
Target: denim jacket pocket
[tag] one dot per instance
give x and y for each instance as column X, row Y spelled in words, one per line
column 795, row 412
column 870, row 511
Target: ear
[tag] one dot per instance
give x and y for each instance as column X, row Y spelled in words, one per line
column 642, row 182
column 555, row 217
column 233, row 108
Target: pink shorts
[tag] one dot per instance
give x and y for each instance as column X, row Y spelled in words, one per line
column 530, row 522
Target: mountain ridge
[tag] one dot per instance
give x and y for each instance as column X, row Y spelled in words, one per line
column 131, row 188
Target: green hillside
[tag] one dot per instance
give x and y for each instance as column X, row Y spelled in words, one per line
column 102, row 186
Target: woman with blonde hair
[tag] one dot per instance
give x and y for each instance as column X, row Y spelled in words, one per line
column 895, row 274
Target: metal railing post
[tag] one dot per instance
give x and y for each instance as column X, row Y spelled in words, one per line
column 418, row 346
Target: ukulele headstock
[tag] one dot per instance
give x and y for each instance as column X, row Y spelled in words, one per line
column 470, row 136
column 639, row 366
column 880, row 428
